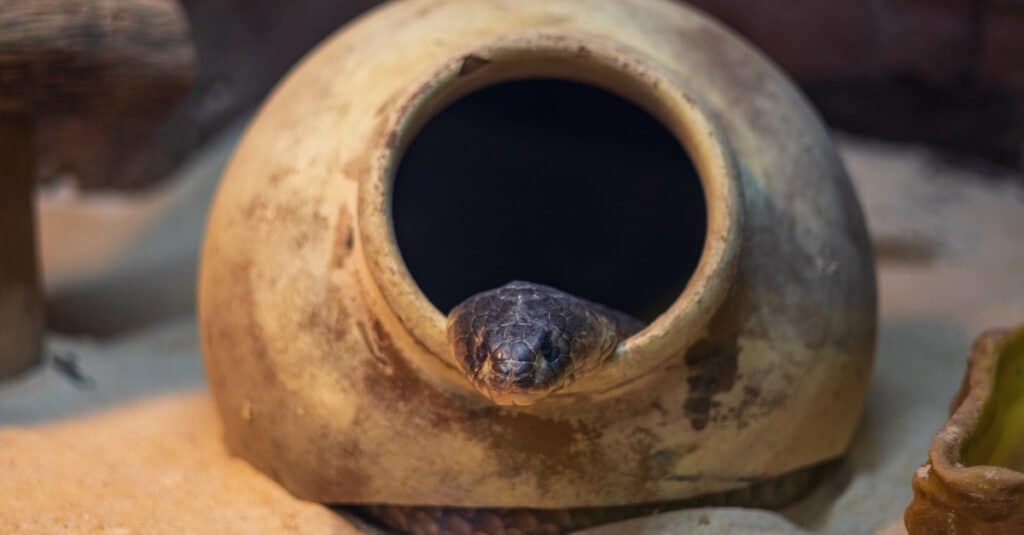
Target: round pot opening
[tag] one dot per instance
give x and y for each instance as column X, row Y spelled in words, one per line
column 554, row 182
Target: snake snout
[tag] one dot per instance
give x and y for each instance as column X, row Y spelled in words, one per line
column 523, row 365
column 521, row 372
column 521, row 342
column 512, row 368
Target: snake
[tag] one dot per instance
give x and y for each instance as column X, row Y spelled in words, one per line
column 518, row 344
column 522, row 342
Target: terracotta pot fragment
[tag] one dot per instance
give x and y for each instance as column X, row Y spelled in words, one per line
column 973, row 481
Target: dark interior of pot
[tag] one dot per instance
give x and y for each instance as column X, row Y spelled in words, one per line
column 998, row 439
column 552, row 182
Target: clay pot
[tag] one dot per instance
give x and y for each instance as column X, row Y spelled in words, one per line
column 973, row 480
column 325, row 279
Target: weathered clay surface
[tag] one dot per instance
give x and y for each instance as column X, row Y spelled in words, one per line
column 324, row 386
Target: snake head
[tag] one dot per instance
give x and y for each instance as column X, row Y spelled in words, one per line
column 519, row 343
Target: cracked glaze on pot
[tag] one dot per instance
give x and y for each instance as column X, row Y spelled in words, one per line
column 330, row 367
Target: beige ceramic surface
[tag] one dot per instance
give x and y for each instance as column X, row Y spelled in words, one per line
column 328, row 364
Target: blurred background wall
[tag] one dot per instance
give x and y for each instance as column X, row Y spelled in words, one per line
column 947, row 73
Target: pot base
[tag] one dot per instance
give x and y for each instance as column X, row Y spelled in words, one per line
column 771, row 493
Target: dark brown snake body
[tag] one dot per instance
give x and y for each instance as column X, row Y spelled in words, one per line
column 517, row 344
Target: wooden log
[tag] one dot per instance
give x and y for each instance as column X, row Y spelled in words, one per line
column 129, row 59
column 72, row 55
column 21, row 311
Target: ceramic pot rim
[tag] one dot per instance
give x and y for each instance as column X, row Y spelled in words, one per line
column 946, row 452
column 595, row 60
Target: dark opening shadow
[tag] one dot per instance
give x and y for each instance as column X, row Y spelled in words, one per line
column 552, row 182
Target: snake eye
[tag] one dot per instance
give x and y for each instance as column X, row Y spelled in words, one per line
column 550, row 351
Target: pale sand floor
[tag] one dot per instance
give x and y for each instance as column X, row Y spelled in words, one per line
column 139, row 452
